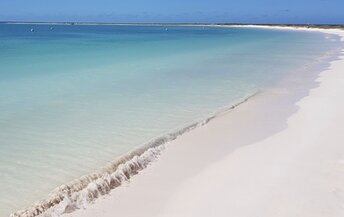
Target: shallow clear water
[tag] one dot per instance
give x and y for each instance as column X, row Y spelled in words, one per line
column 73, row 98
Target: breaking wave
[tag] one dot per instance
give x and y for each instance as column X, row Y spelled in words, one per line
column 84, row 190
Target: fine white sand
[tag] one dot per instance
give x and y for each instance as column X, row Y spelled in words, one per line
column 279, row 154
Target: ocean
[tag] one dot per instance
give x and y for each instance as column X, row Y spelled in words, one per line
column 74, row 98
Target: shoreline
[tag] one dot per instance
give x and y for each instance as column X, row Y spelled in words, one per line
column 133, row 166
column 81, row 192
column 193, row 192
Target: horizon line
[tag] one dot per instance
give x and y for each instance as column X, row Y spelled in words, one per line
column 161, row 23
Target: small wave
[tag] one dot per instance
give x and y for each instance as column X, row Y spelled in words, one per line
column 84, row 190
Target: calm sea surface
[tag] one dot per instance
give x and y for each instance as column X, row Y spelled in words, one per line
column 73, row 98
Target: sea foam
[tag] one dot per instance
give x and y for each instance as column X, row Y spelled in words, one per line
column 79, row 193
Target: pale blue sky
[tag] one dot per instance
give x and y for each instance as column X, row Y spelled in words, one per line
column 243, row 11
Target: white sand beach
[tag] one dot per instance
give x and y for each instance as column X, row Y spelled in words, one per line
column 280, row 154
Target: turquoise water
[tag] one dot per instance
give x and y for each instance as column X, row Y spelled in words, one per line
column 73, row 98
